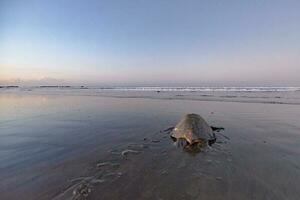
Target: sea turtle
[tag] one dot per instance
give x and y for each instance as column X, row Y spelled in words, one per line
column 193, row 130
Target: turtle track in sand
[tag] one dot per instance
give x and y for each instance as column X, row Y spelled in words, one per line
column 111, row 168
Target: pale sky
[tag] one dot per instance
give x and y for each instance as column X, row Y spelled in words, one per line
column 150, row 42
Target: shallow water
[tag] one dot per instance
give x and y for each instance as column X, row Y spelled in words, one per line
column 50, row 144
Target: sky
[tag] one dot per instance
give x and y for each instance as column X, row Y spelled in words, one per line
column 150, row 42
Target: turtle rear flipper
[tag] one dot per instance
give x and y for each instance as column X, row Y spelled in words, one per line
column 212, row 141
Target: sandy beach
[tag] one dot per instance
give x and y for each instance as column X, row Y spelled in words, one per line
column 115, row 148
column 149, row 100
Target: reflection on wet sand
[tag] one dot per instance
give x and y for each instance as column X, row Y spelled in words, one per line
column 90, row 147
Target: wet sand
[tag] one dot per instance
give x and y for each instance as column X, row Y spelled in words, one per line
column 51, row 145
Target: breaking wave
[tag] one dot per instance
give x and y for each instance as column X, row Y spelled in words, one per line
column 207, row 89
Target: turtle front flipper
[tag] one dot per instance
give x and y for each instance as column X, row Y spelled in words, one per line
column 214, row 128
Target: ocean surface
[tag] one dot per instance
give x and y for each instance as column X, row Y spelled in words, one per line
column 276, row 95
column 110, row 143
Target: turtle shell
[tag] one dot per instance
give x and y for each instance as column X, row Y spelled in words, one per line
column 193, row 128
